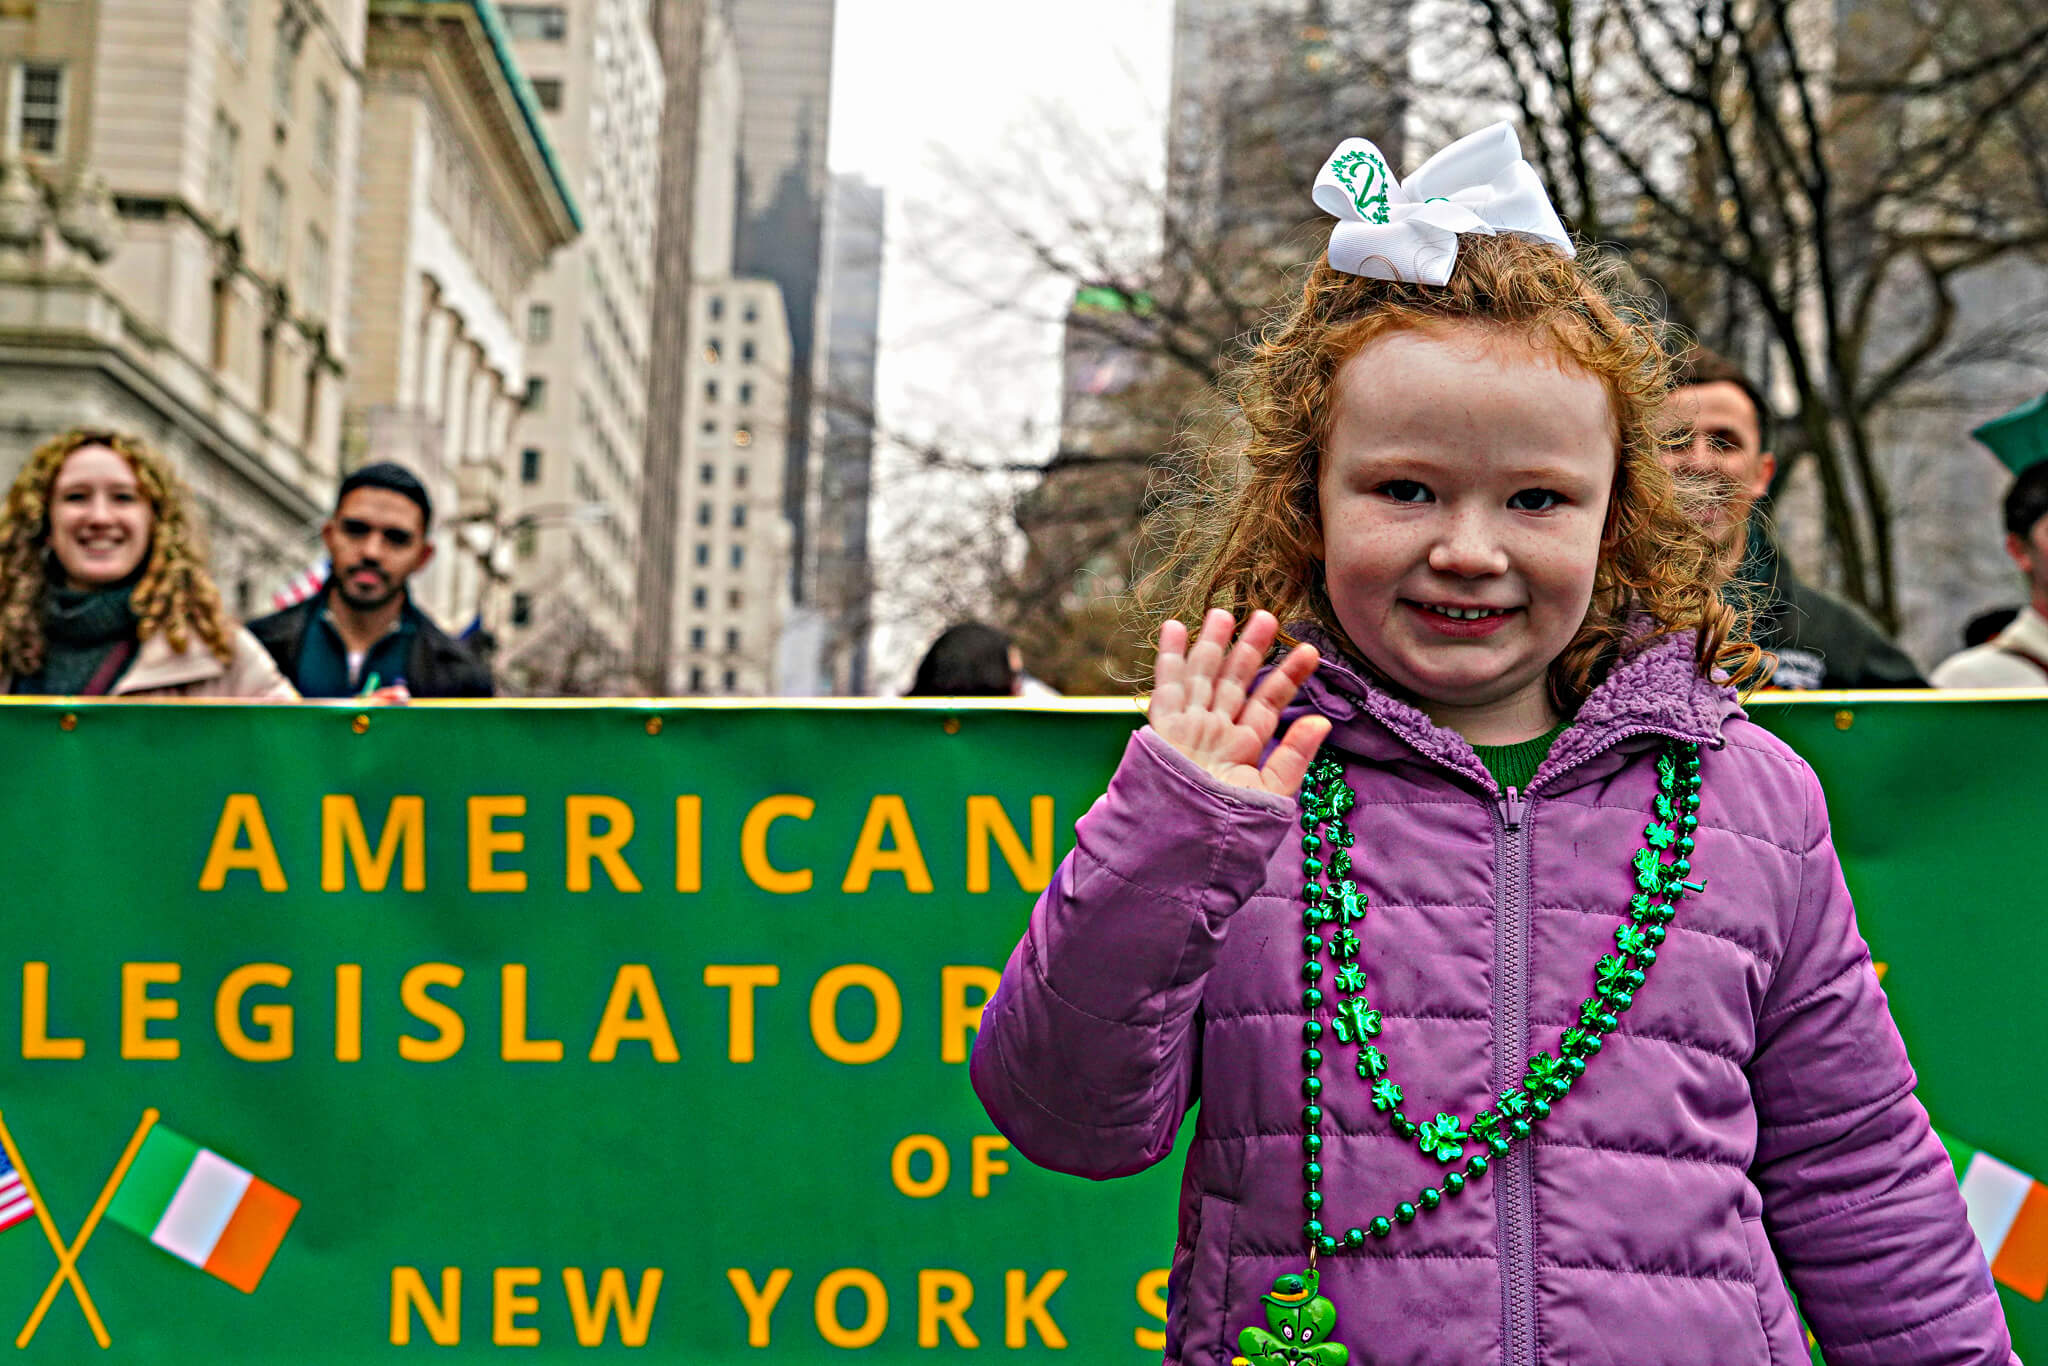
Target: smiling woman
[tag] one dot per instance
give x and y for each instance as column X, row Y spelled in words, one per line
column 103, row 589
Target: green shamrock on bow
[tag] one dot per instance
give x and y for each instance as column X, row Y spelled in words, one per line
column 1355, row 1021
column 1386, row 1094
column 1441, row 1138
column 1371, row 1062
column 1547, row 1076
column 1349, row 978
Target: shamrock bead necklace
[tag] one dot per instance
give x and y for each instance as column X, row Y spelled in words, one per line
column 1331, row 897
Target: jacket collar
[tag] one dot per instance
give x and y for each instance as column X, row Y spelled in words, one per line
column 158, row 666
column 1655, row 691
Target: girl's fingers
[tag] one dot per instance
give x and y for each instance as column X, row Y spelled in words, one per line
column 1277, row 689
column 1242, row 663
column 1206, row 657
column 1169, row 671
column 1288, row 764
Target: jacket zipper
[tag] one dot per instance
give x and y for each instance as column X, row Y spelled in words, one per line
column 1511, row 1042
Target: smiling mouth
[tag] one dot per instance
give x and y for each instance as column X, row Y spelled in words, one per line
column 1465, row 613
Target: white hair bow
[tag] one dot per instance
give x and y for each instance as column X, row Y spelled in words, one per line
column 1408, row 230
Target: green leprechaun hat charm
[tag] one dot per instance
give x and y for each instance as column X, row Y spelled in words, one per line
column 1298, row 1326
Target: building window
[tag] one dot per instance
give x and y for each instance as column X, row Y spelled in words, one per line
column 733, row 598
column 703, row 554
column 270, row 224
column 696, row 678
column 548, row 91
column 223, row 161
column 716, row 308
column 544, row 23
column 742, row 437
column 703, row 514
column 732, row 642
column 326, row 129
column 529, row 465
column 739, row 476
column 752, row 314
column 37, row 127
column 706, row 473
column 234, row 27
column 522, row 609
column 739, row 556
column 540, row 323
column 696, row 637
column 699, row 598
column 315, row 271
column 528, row 543
column 739, row 514
column 709, row 427
column 732, row 681
column 536, row 400
column 712, row 352
column 747, row 392
column 746, row 352
column 711, row 391
column 283, row 64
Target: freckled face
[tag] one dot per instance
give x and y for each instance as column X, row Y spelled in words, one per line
column 1464, row 487
column 100, row 519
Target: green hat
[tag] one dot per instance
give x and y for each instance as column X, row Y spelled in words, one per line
column 2020, row 438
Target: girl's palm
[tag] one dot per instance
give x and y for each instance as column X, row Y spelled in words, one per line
column 1204, row 704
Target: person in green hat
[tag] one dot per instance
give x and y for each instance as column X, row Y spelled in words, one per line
column 2016, row 657
column 1721, row 436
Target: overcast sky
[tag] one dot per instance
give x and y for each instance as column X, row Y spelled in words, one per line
column 914, row 81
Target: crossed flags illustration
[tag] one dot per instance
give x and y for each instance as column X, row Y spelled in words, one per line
column 188, row 1200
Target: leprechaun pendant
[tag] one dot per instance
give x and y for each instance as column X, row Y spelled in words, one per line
column 1298, row 1325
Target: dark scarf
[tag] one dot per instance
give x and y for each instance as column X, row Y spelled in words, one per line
column 81, row 627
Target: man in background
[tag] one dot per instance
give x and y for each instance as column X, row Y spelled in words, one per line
column 1721, row 427
column 2017, row 657
column 361, row 635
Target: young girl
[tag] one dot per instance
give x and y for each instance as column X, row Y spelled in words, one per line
column 1518, row 980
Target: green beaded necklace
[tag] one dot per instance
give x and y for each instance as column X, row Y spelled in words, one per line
column 1332, row 898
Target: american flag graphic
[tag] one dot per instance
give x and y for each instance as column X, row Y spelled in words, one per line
column 15, row 1205
column 303, row 587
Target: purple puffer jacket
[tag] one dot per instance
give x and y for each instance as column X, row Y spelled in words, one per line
column 1751, row 1120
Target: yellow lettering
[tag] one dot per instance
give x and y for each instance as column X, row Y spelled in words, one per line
column 273, row 1018
column 689, row 844
column 957, row 1018
column 242, row 812
column 825, row 1013
column 740, row 979
column 405, row 825
column 759, row 1304
column 754, row 844
column 634, row 983
column 608, row 848
column 514, row 1046
column 412, row 991
column 888, row 815
column 36, row 1041
column 1021, row 1307
column 634, row 1315
column 985, row 1163
column 1152, row 1299
column 443, row 1321
column 348, row 1012
column 486, row 842
column 952, row 1310
column 827, row 1307
column 935, row 1181
column 507, row 1306
column 986, row 819
column 138, row 1008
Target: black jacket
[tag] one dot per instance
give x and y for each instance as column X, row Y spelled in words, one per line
column 1820, row 640
column 440, row 666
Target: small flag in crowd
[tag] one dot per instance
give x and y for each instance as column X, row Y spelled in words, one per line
column 303, row 587
column 15, row 1204
column 2009, row 1211
column 195, row 1204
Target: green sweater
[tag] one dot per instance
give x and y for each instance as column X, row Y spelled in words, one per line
column 1514, row 765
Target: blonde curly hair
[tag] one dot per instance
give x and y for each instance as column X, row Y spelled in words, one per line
column 174, row 595
column 1256, row 516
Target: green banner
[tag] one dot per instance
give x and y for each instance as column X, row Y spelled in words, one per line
column 562, row 1030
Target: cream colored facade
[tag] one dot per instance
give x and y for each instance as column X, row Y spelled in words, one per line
column 458, row 207
column 575, row 498
column 175, row 177
column 734, row 544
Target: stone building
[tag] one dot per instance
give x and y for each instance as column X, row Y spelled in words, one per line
column 574, row 506
column 459, row 205
column 176, row 179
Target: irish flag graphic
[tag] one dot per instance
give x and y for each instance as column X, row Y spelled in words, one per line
column 2009, row 1211
column 195, row 1204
